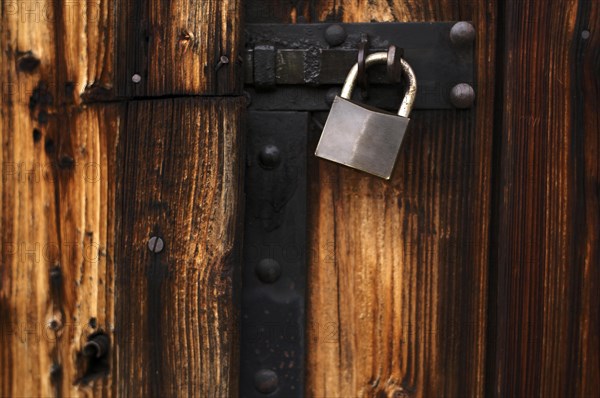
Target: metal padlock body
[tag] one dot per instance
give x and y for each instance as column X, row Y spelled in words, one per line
column 363, row 137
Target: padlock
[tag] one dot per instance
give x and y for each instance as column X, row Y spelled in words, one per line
column 362, row 137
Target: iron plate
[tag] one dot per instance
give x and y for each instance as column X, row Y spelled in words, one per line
column 274, row 268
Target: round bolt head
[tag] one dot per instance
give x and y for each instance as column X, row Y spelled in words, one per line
column 136, row 78
column 462, row 34
column 462, row 96
column 270, row 157
column 266, row 381
column 335, row 35
column 156, row 244
column 268, row 270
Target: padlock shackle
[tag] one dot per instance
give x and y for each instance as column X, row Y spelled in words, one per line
column 381, row 58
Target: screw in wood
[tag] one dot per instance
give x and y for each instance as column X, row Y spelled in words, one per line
column 136, row 78
column 156, row 244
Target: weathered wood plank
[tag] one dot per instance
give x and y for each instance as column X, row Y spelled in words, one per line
column 62, row 160
column 398, row 274
column 57, row 195
column 176, row 46
column 69, row 46
column 180, row 179
column 56, row 273
column 548, row 255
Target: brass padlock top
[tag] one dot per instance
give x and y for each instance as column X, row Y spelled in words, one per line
column 362, row 137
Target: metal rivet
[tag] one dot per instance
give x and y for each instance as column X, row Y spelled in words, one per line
column 462, row 96
column 268, row 270
column 585, row 34
column 266, row 381
column 335, row 35
column 331, row 94
column 156, row 244
column 270, row 157
column 136, row 78
column 462, row 34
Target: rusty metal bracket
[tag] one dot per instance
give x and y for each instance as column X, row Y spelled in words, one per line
column 304, row 61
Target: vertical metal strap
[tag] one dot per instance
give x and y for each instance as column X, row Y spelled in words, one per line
column 274, row 268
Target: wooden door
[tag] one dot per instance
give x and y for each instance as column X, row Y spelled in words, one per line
column 474, row 272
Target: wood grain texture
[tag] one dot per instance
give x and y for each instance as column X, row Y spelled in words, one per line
column 176, row 46
column 398, row 270
column 548, row 260
column 56, row 273
column 180, row 179
column 62, row 161
column 67, row 46
column 57, row 195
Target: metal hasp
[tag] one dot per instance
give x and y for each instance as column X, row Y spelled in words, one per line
column 274, row 267
column 293, row 66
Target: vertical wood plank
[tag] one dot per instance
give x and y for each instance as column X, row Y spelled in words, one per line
column 57, row 236
column 62, row 160
column 57, row 195
column 181, row 180
column 405, row 286
column 398, row 272
column 548, row 260
column 176, row 46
